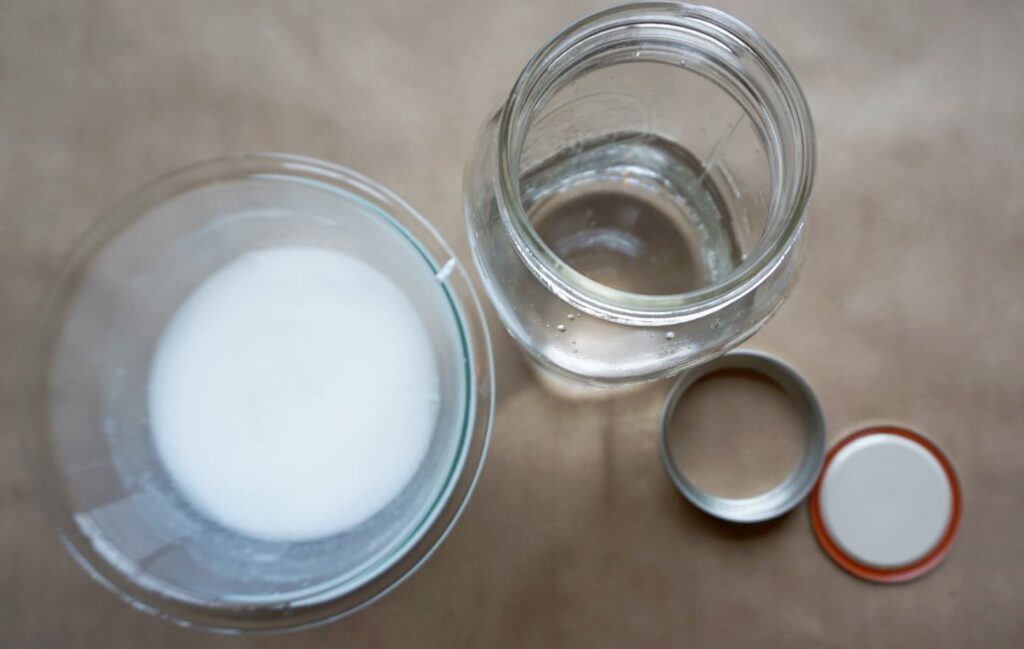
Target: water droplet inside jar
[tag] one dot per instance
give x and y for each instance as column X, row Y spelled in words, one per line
column 571, row 316
column 561, row 327
column 669, row 335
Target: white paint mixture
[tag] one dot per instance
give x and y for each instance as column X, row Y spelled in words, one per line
column 294, row 394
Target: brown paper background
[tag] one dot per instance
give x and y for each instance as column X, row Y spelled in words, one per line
column 909, row 308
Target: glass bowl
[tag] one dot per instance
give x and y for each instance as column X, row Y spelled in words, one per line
column 88, row 436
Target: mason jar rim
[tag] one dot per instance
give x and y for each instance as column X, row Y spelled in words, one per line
column 718, row 29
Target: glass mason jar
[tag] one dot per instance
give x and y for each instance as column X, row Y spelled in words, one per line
column 636, row 206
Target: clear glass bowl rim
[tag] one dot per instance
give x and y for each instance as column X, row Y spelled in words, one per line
column 477, row 422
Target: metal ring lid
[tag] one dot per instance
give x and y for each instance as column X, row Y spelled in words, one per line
column 794, row 488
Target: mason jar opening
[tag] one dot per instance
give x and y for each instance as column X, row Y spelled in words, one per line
column 654, row 163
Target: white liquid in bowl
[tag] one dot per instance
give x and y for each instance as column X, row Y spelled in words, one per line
column 294, row 394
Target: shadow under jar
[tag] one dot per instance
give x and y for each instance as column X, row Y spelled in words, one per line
column 636, row 206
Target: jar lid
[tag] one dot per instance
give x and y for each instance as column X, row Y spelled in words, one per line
column 783, row 496
column 887, row 505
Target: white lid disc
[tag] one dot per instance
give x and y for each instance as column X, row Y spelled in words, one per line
column 887, row 504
